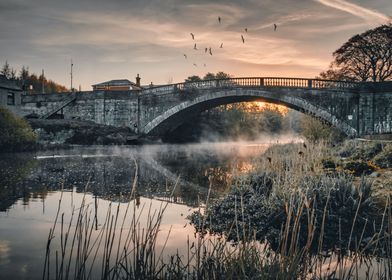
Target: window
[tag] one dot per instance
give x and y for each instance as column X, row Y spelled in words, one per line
column 11, row 98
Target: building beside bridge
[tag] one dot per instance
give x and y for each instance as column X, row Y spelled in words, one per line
column 10, row 94
column 118, row 85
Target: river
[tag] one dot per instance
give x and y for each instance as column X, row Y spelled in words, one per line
column 33, row 184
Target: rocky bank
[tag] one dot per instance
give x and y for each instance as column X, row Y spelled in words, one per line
column 58, row 132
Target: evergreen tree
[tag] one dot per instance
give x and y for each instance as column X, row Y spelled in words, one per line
column 6, row 70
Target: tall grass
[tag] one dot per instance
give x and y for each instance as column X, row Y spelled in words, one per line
column 125, row 245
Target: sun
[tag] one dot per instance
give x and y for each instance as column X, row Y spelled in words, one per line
column 259, row 107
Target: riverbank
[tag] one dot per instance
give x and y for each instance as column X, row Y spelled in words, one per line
column 60, row 133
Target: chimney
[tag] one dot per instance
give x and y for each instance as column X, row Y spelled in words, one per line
column 138, row 80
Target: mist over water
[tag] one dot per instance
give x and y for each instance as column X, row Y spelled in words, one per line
column 178, row 174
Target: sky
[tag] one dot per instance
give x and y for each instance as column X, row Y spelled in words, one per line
column 119, row 39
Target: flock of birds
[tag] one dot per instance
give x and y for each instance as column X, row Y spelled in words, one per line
column 208, row 50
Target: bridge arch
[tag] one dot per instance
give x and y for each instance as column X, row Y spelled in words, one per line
column 173, row 117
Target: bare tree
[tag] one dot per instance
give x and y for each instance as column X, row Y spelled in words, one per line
column 364, row 57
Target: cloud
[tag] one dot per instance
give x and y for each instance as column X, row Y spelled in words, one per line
column 112, row 38
column 356, row 10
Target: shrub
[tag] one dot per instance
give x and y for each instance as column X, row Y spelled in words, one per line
column 15, row 133
column 384, row 158
column 367, row 150
column 360, row 150
column 315, row 131
column 328, row 163
column 358, row 167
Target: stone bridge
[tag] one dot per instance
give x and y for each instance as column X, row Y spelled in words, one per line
column 356, row 109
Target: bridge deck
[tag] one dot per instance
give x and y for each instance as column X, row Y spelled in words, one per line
column 271, row 82
column 253, row 82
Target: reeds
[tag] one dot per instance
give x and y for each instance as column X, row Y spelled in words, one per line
column 125, row 245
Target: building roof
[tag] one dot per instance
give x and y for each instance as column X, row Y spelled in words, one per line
column 122, row 82
column 8, row 84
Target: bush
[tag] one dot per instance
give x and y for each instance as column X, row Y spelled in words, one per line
column 384, row 158
column 15, row 133
column 328, row 163
column 358, row 167
column 315, row 131
column 367, row 150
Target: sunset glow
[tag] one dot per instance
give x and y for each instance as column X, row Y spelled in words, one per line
column 120, row 39
column 259, row 106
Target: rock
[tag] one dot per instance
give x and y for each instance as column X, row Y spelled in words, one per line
column 374, row 175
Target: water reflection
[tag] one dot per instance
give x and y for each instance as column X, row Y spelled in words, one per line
column 13, row 170
column 30, row 189
column 109, row 172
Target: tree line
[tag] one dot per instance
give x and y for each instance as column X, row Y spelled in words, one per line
column 30, row 82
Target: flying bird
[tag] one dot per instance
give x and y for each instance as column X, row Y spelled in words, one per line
column 194, row 47
column 243, row 39
column 185, row 56
column 210, row 51
column 275, row 27
column 221, row 46
column 219, row 19
column 193, row 36
column 246, row 29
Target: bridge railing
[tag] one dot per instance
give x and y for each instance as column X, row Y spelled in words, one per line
column 253, row 82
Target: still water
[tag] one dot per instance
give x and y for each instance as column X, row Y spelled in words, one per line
column 31, row 186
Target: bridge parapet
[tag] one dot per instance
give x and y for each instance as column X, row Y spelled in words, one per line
column 254, row 82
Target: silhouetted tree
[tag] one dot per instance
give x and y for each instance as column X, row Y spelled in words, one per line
column 209, row 76
column 364, row 57
column 25, row 80
column 13, row 74
column 6, row 70
column 23, row 76
column 271, row 120
column 222, row 75
column 193, row 78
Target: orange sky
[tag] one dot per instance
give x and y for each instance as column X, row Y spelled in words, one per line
column 121, row 38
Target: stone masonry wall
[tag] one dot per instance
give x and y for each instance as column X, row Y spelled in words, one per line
column 366, row 112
